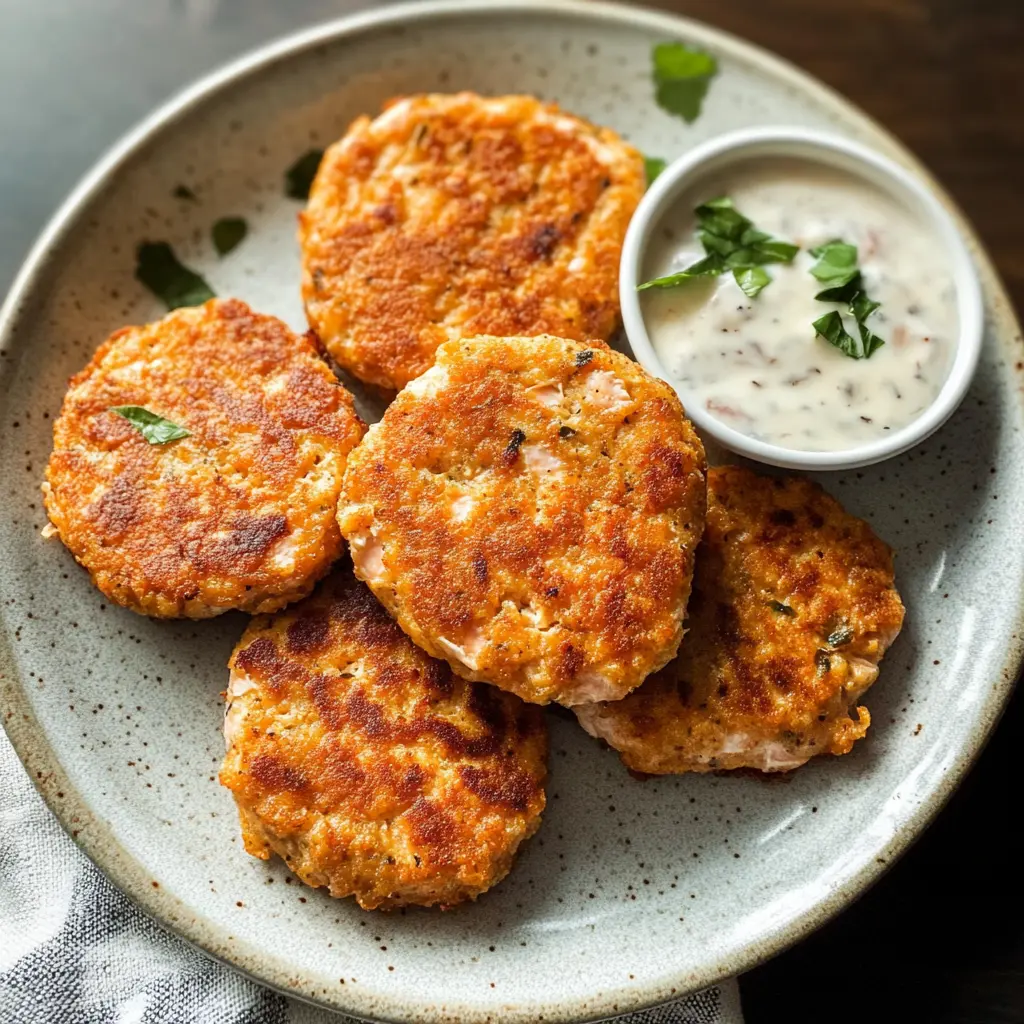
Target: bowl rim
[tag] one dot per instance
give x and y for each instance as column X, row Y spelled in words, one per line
column 812, row 145
column 89, row 831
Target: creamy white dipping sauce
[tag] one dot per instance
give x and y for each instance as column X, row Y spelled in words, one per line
column 756, row 364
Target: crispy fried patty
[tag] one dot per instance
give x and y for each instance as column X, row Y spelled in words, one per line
column 793, row 607
column 450, row 216
column 239, row 514
column 528, row 510
column 367, row 766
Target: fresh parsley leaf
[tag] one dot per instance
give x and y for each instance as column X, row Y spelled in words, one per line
column 155, row 429
column 731, row 242
column 159, row 270
column 837, row 263
column 184, row 192
column 777, row 250
column 710, row 266
column 720, row 218
column 228, row 233
column 752, row 280
column 830, row 327
column 653, row 166
column 870, row 341
column 299, row 177
column 842, row 293
column 681, row 78
column 782, row 609
column 862, row 307
column 837, row 266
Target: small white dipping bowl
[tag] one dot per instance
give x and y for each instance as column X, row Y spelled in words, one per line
column 823, row 148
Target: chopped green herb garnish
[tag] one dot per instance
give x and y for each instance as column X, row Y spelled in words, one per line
column 681, row 78
column 752, row 280
column 299, row 177
column 782, row 609
column 227, row 233
column 840, row 636
column 155, row 429
column 584, row 357
column 837, row 267
column 732, row 243
column 823, row 661
column 184, row 192
column 160, row 271
column 653, row 166
column 837, row 263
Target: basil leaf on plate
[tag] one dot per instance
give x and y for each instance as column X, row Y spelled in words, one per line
column 298, row 179
column 167, row 278
column 228, row 233
column 681, row 78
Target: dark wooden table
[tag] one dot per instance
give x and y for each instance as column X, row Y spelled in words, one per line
column 941, row 938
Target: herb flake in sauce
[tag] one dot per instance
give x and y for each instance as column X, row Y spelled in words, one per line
column 682, row 75
column 837, row 267
column 167, row 278
column 732, row 243
column 155, row 429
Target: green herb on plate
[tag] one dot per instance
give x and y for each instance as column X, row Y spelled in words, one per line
column 228, row 233
column 732, row 243
column 782, row 609
column 155, row 429
column 653, row 166
column 299, row 177
column 681, row 78
column 167, row 278
column 837, row 267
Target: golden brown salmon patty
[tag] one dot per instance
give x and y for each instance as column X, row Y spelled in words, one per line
column 455, row 215
column 528, row 509
column 238, row 514
column 793, row 607
column 367, row 766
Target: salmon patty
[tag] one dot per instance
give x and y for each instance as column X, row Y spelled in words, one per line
column 455, row 215
column 528, row 510
column 367, row 766
column 240, row 512
column 793, row 607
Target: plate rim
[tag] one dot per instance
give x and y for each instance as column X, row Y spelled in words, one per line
column 87, row 830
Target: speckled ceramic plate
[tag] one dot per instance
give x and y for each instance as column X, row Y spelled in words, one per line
column 631, row 893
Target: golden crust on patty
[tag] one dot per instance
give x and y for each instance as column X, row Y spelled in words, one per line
column 793, row 607
column 455, row 215
column 368, row 766
column 528, row 510
column 239, row 514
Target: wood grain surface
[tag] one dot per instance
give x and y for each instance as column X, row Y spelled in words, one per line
column 941, row 938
